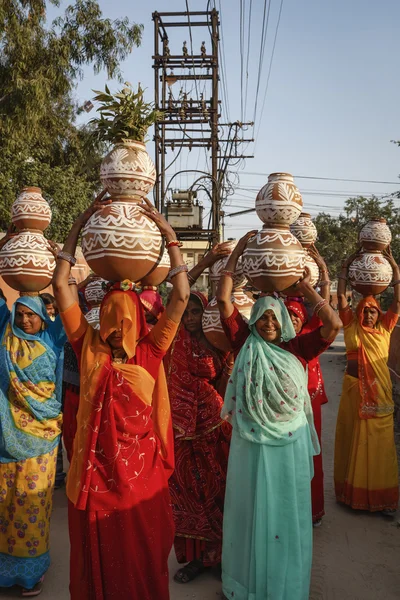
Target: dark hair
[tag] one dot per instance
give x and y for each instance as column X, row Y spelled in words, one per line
column 48, row 299
column 194, row 298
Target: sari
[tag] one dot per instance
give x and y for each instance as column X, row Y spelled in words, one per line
column 267, row 542
column 316, row 389
column 120, row 519
column 366, row 473
column 30, row 426
column 195, row 370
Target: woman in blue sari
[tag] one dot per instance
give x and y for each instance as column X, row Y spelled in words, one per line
column 31, row 347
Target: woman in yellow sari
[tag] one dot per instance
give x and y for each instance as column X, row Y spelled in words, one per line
column 366, row 473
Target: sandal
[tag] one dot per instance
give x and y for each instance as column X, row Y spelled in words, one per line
column 189, row 572
column 35, row 591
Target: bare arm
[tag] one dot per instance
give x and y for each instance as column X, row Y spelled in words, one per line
column 325, row 283
column 395, row 306
column 218, row 251
column 342, row 279
column 225, row 285
column 180, row 284
column 331, row 323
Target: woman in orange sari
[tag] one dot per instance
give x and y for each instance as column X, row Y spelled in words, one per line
column 366, row 474
column 120, row 519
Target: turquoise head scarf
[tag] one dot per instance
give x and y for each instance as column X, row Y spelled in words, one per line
column 36, row 304
column 267, row 399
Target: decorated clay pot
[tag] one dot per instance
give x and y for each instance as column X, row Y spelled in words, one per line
column 120, row 242
column 375, row 235
column 211, row 323
column 26, row 264
column 95, row 292
column 314, row 277
column 160, row 273
column 93, row 317
column 273, row 259
column 128, row 171
column 370, row 273
column 304, row 229
column 216, row 269
column 279, row 202
column 30, row 210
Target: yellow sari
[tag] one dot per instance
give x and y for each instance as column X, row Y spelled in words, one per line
column 366, row 473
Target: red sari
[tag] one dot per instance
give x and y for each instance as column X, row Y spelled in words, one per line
column 194, row 371
column 120, row 519
column 316, row 389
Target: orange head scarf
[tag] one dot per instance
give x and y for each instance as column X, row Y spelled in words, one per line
column 370, row 302
column 123, row 310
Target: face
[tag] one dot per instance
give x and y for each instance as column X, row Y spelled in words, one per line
column 370, row 316
column 268, row 327
column 115, row 339
column 297, row 322
column 192, row 317
column 27, row 320
column 51, row 311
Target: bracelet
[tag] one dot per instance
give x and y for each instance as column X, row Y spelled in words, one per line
column 177, row 270
column 191, row 279
column 319, row 306
column 72, row 281
column 322, row 283
column 228, row 273
column 67, row 256
column 153, row 288
column 174, row 243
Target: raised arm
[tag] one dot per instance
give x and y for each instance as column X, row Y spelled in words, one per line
column 331, row 323
column 342, row 280
column 218, row 251
column 178, row 274
column 63, row 293
column 225, row 286
column 395, row 306
column 324, row 284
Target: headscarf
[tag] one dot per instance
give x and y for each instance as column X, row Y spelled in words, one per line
column 36, row 305
column 298, row 309
column 152, row 302
column 122, row 309
column 202, row 297
column 267, row 398
column 368, row 302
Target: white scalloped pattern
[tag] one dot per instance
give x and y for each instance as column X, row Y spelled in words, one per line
column 27, row 254
column 94, row 292
column 304, row 229
column 375, row 232
column 128, row 169
column 370, row 268
column 93, row 317
column 314, row 270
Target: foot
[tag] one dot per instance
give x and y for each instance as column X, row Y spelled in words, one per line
column 317, row 523
column 35, row 591
column 389, row 512
column 189, row 572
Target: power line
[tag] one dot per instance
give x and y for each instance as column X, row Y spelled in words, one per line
column 327, row 178
column 264, row 29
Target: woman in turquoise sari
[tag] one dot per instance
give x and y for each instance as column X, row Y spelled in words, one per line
column 31, row 348
column 267, row 530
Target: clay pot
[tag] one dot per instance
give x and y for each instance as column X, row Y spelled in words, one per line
column 26, row 264
column 95, row 292
column 370, row 273
column 120, row 242
column 212, row 327
column 30, row 210
column 314, row 277
column 128, row 171
column 160, row 273
column 273, row 259
column 304, row 229
column 375, row 235
column 93, row 317
column 216, row 269
column 279, row 202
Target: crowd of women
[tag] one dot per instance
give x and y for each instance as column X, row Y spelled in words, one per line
column 171, row 441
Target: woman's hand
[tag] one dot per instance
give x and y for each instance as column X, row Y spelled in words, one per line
column 159, row 219
column 304, row 282
column 387, row 253
column 97, row 204
column 216, row 253
column 313, row 252
column 242, row 243
column 54, row 248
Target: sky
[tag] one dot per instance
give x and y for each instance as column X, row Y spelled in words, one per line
column 332, row 103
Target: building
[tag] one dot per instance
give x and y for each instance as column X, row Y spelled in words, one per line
column 192, row 253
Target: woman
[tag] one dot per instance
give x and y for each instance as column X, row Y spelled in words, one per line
column 30, row 425
column 50, row 304
column 267, row 543
column 120, row 519
column 197, row 375
column 302, row 324
column 366, row 474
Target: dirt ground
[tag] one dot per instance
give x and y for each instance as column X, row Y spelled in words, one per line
column 356, row 554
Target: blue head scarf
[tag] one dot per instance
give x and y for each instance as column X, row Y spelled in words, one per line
column 267, row 399
column 36, row 304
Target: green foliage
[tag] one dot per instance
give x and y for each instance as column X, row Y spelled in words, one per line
column 40, row 65
column 124, row 115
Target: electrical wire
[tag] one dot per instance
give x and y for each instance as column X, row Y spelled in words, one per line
column 264, row 28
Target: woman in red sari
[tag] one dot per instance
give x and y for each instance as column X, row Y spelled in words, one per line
column 120, row 519
column 197, row 375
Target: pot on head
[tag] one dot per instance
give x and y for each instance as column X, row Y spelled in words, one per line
column 279, row 202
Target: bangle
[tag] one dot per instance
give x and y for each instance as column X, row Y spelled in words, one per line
column 177, row 270
column 319, row 306
column 67, row 256
column 228, row 273
column 174, row 243
column 72, row 281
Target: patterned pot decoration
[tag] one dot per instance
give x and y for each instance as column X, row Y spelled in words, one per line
column 30, row 210
column 239, row 279
column 274, row 259
column 314, row 277
column 26, row 263
column 304, row 229
column 93, row 317
column 160, row 273
column 128, row 171
column 211, row 323
column 279, row 202
column 375, row 235
column 120, row 242
column 370, row 273
column 95, row 292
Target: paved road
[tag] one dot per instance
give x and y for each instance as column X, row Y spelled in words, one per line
column 356, row 555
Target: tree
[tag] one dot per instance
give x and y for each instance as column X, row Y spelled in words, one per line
column 40, row 65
